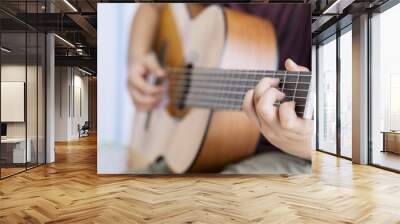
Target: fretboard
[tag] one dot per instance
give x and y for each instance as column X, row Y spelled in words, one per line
column 225, row 88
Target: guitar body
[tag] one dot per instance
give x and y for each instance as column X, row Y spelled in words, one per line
column 198, row 140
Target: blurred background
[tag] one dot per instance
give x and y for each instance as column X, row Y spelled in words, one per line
column 115, row 110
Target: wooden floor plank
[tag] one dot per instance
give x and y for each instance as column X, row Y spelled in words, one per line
column 70, row 191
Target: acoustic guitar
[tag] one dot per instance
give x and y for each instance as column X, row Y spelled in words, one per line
column 212, row 60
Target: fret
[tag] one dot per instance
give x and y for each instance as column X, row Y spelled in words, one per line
column 282, row 88
column 255, row 84
column 295, row 89
column 230, row 78
column 284, row 82
column 220, row 78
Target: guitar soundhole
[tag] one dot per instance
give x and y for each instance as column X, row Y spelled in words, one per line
column 179, row 89
column 186, row 88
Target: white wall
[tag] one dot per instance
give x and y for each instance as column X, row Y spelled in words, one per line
column 70, row 83
column 114, row 107
column 61, row 103
column 79, row 117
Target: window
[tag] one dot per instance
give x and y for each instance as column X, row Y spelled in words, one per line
column 327, row 97
column 22, row 77
column 346, row 93
column 385, row 89
column 14, row 155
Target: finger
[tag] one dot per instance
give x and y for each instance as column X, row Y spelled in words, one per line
column 291, row 66
column 287, row 115
column 135, row 70
column 138, row 82
column 144, row 102
column 266, row 109
column 248, row 107
column 262, row 86
column 289, row 119
column 153, row 66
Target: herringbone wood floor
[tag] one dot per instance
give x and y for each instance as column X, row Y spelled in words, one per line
column 70, row 191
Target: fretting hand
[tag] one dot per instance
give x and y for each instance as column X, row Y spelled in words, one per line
column 280, row 125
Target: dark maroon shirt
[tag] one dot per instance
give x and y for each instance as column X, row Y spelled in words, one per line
column 292, row 24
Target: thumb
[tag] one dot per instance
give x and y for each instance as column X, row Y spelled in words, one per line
column 291, row 66
column 154, row 66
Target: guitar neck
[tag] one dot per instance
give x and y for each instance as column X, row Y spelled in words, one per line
column 225, row 88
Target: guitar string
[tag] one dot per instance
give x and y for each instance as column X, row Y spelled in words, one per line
column 214, row 105
column 181, row 68
column 204, row 89
column 224, row 99
column 180, row 92
column 184, row 77
column 209, row 71
column 236, row 80
column 195, row 80
column 198, row 97
column 193, row 77
column 211, row 103
column 212, row 98
column 214, row 81
column 213, row 77
column 227, row 95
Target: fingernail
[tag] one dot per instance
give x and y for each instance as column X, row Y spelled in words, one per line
column 291, row 62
